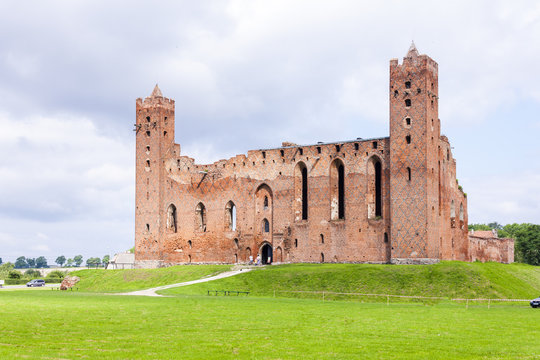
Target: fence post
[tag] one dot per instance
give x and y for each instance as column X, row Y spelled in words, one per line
column 489, row 303
column 467, row 306
column 323, row 296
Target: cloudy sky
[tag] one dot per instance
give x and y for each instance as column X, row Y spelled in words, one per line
column 246, row 75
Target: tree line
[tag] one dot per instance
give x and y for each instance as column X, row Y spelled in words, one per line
column 41, row 262
column 527, row 236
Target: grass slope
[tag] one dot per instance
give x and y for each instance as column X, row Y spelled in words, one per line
column 135, row 279
column 446, row 279
column 70, row 325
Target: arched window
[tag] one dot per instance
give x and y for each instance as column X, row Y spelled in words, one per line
column 265, row 203
column 374, row 187
column 190, row 244
column 337, row 190
column 236, row 244
column 452, row 209
column 301, row 191
column 265, row 226
column 322, row 239
column 171, row 218
column 200, row 213
column 322, row 257
column 461, row 212
column 230, row 216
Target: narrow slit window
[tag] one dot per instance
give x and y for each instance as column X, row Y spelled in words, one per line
column 409, row 174
column 374, row 144
column 408, row 102
column 408, row 121
column 282, row 152
column 318, row 149
column 356, row 146
column 408, row 139
column 338, row 148
column 301, row 151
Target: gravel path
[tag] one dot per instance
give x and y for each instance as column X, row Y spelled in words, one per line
column 152, row 291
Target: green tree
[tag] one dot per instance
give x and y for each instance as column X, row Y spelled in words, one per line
column 69, row 262
column 21, row 263
column 41, row 262
column 5, row 268
column 132, row 250
column 527, row 246
column 60, row 260
column 78, row 260
column 31, row 262
column 93, row 261
column 0, row 261
column 106, row 259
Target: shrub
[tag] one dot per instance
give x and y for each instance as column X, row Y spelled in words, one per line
column 14, row 274
column 31, row 273
column 56, row 274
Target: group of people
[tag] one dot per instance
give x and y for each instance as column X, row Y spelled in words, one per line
column 258, row 260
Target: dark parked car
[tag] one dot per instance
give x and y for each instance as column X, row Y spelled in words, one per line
column 535, row 302
column 35, row 282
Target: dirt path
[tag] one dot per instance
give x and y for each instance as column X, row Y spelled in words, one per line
column 152, row 291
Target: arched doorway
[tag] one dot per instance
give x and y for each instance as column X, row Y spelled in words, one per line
column 266, row 254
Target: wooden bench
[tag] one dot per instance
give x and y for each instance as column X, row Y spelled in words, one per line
column 227, row 292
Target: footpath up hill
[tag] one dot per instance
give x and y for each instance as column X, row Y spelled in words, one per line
column 447, row 279
column 137, row 279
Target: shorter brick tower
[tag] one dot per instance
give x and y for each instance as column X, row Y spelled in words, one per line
column 154, row 141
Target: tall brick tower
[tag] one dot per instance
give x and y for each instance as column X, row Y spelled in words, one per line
column 414, row 140
column 155, row 140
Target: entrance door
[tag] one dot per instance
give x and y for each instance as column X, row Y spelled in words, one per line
column 266, row 254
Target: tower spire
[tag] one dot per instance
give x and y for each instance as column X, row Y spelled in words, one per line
column 413, row 52
column 156, row 92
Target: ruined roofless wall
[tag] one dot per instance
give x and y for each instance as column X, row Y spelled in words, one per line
column 388, row 199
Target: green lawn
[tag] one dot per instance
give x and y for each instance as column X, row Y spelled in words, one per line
column 449, row 279
column 47, row 324
column 136, row 279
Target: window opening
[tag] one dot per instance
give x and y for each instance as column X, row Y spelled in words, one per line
column 378, row 189
column 295, row 243
column 147, row 227
column 408, row 139
column 408, row 121
column 230, row 216
column 282, row 152
column 266, row 226
column 264, row 154
column 171, row 218
column 322, row 239
column 301, row 151
column 322, row 257
column 338, row 148
column 148, row 133
column 318, row 149
column 356, row 146
column 385, row 237
column 374, row 144
column 148, row 119
column 190, row 244
column 407, row 84
column 408, row 102
column 200, row 212
column 265, row 202
column 304, row 194
column 341, row 190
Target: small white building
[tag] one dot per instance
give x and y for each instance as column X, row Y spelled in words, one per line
column 125, row 260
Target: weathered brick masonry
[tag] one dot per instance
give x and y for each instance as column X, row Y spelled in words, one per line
column 389, row 199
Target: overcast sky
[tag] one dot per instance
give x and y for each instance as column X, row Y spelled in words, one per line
column 246, row 75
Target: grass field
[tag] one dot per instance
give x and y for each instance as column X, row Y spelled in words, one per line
column 69, row 325
column 46, row 324
column 446, row 279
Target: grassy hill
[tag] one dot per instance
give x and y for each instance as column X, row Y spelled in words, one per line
column 446, row 279
column 135, row 279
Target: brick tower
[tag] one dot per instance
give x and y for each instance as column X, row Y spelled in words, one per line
column 154, row 142
column 414, row 140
